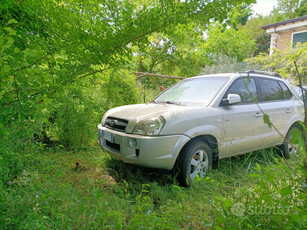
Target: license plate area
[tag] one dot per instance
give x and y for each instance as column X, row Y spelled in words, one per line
column 107, row 136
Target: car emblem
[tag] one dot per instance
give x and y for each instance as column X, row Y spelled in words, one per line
column 112, row 123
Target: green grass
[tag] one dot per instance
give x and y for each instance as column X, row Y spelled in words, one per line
column 90, row 190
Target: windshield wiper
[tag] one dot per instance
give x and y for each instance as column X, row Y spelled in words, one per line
column 167, row 102
column 173, row 103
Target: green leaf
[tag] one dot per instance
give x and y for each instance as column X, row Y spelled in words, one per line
column 285, row 191
column 266, row 120
column 219, row 198
column 227, row 203
column 12, row 21
column 258, row 167
column 5, row 69
column 10, row 30
column 255, row 175
column 1, row 95
column 8, row 44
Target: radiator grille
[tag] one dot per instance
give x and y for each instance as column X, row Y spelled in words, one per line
column 116, row 123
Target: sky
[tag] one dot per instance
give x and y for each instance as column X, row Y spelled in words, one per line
column 264, row 7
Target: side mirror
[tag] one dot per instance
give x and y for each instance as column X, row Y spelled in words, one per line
column 232, row 99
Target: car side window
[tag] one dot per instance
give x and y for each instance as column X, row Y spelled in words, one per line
column 270, row 90
column 285, row 89
column 246, row 88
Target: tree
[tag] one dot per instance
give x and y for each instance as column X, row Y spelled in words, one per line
column 291, row 8
column 51, row 47
column 282, row 62
column 175, row 53
column 230, row 42
column 254, row 31
column 239, row 15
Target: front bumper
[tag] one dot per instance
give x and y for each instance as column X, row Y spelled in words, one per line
column 148, row 151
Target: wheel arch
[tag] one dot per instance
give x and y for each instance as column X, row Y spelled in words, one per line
column 284, row 147
column 297, row 124
column 213, row 145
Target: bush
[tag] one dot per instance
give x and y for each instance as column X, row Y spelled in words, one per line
column 79, row 108
column 224, row 64
column 283, row 62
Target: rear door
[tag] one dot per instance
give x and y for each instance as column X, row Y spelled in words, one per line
column 275, row 100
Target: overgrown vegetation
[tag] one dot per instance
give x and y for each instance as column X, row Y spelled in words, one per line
column 289, row 63
column 91, row 190
column 64, row 63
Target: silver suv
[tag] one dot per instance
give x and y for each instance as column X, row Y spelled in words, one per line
column 202, row 119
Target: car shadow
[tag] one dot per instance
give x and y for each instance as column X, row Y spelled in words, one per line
column 124, row 172
column 127, row 173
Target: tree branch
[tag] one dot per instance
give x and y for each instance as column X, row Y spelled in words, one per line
column 305, row 112
column 142, row 35
column 29, row 66
column 143, row 74
column 91, row 73
column 16, row 89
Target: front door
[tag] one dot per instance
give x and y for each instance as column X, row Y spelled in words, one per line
column 242, row 122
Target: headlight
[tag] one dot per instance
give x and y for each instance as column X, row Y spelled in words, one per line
column 149, row 127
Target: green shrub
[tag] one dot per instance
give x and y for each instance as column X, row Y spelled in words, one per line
column 224, row 64
column 79, row 108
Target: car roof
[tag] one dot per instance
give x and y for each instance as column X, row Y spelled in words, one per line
column 240, row 74
column 215, row 75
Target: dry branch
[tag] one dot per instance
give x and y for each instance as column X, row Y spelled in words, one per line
column 143, row 74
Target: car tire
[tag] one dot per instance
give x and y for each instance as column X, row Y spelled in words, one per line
column 194, row 159
column 286, row 148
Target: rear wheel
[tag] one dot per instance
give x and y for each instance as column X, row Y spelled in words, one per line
column 290, row 145
column 195, row 160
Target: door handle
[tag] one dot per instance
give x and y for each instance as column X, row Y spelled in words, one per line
column 288, row 110
column 258, row 115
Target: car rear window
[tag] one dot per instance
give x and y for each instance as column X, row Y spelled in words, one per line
column 285, row 89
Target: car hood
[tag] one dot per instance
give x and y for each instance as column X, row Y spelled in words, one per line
column 174, row 115
column 143, row 111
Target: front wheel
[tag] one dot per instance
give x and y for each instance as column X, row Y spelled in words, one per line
column 194, row 160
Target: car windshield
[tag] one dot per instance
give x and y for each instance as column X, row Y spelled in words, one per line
column 196, row 91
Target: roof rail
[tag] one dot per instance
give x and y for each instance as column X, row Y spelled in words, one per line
column 273, row 74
